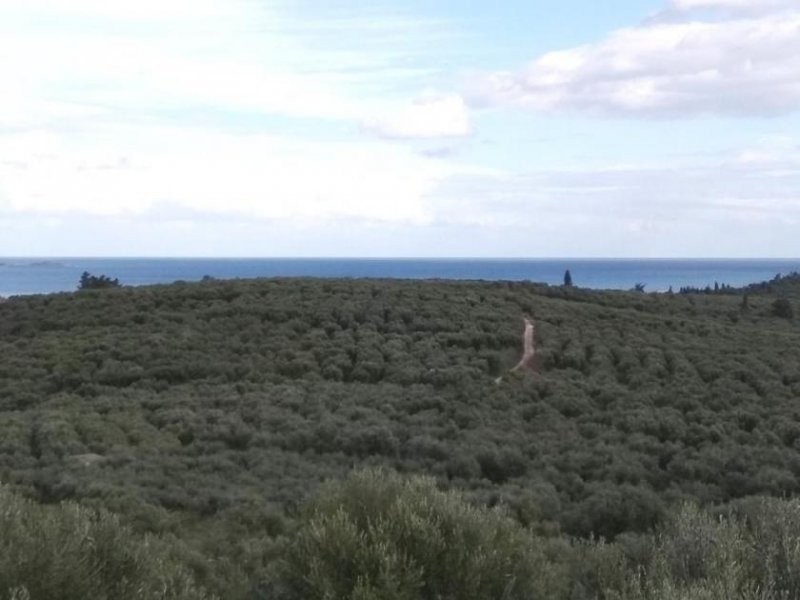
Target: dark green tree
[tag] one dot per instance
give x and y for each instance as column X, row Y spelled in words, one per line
column 92, row 282
column 568, row 278
column 783, row 308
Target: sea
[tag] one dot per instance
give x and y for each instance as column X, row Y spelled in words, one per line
column 21, row 276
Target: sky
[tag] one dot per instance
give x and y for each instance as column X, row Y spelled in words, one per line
column 413, row 128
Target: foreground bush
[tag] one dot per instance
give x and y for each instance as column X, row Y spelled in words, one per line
column 751, row 554
column 381, row 536
column 68, row 552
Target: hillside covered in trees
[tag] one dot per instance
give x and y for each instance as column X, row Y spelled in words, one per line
column 207, row 414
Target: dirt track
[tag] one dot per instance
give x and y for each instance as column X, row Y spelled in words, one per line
column 528, row 348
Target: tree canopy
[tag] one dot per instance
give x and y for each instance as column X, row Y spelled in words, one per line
column 209, row 412
column 96, row 282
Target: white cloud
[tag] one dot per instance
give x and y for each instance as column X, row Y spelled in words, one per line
column 88, row 58
column 749, row 65
column 435, row 116
column 74, row 72
column 132, row 170
column 225, row 194
column 747, row 193
column 207, row 117
column 747, row 6
column 116, row 109
column 147, row 10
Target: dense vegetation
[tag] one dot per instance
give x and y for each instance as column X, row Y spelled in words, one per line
column 379, row 536
column 207, row 413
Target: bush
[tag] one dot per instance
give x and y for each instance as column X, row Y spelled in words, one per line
column 382, row 536
column 783, row 308
column 69, row 552
column 698, row 556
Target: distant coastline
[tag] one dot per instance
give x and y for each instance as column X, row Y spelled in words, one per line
column 46, row 263
column 41, row 275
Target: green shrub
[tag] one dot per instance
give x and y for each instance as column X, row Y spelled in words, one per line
column 752, row 555
column 381, row 536
column 782, row 308
column 774, row 529
column 69, row 552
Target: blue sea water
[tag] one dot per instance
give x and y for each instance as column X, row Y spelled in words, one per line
column 38, row 276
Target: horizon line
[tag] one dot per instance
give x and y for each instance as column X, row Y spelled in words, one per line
column 422, row 258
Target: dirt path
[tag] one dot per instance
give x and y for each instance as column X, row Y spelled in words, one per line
column 528, row 350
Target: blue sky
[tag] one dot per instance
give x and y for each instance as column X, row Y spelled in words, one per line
column 663, row 128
